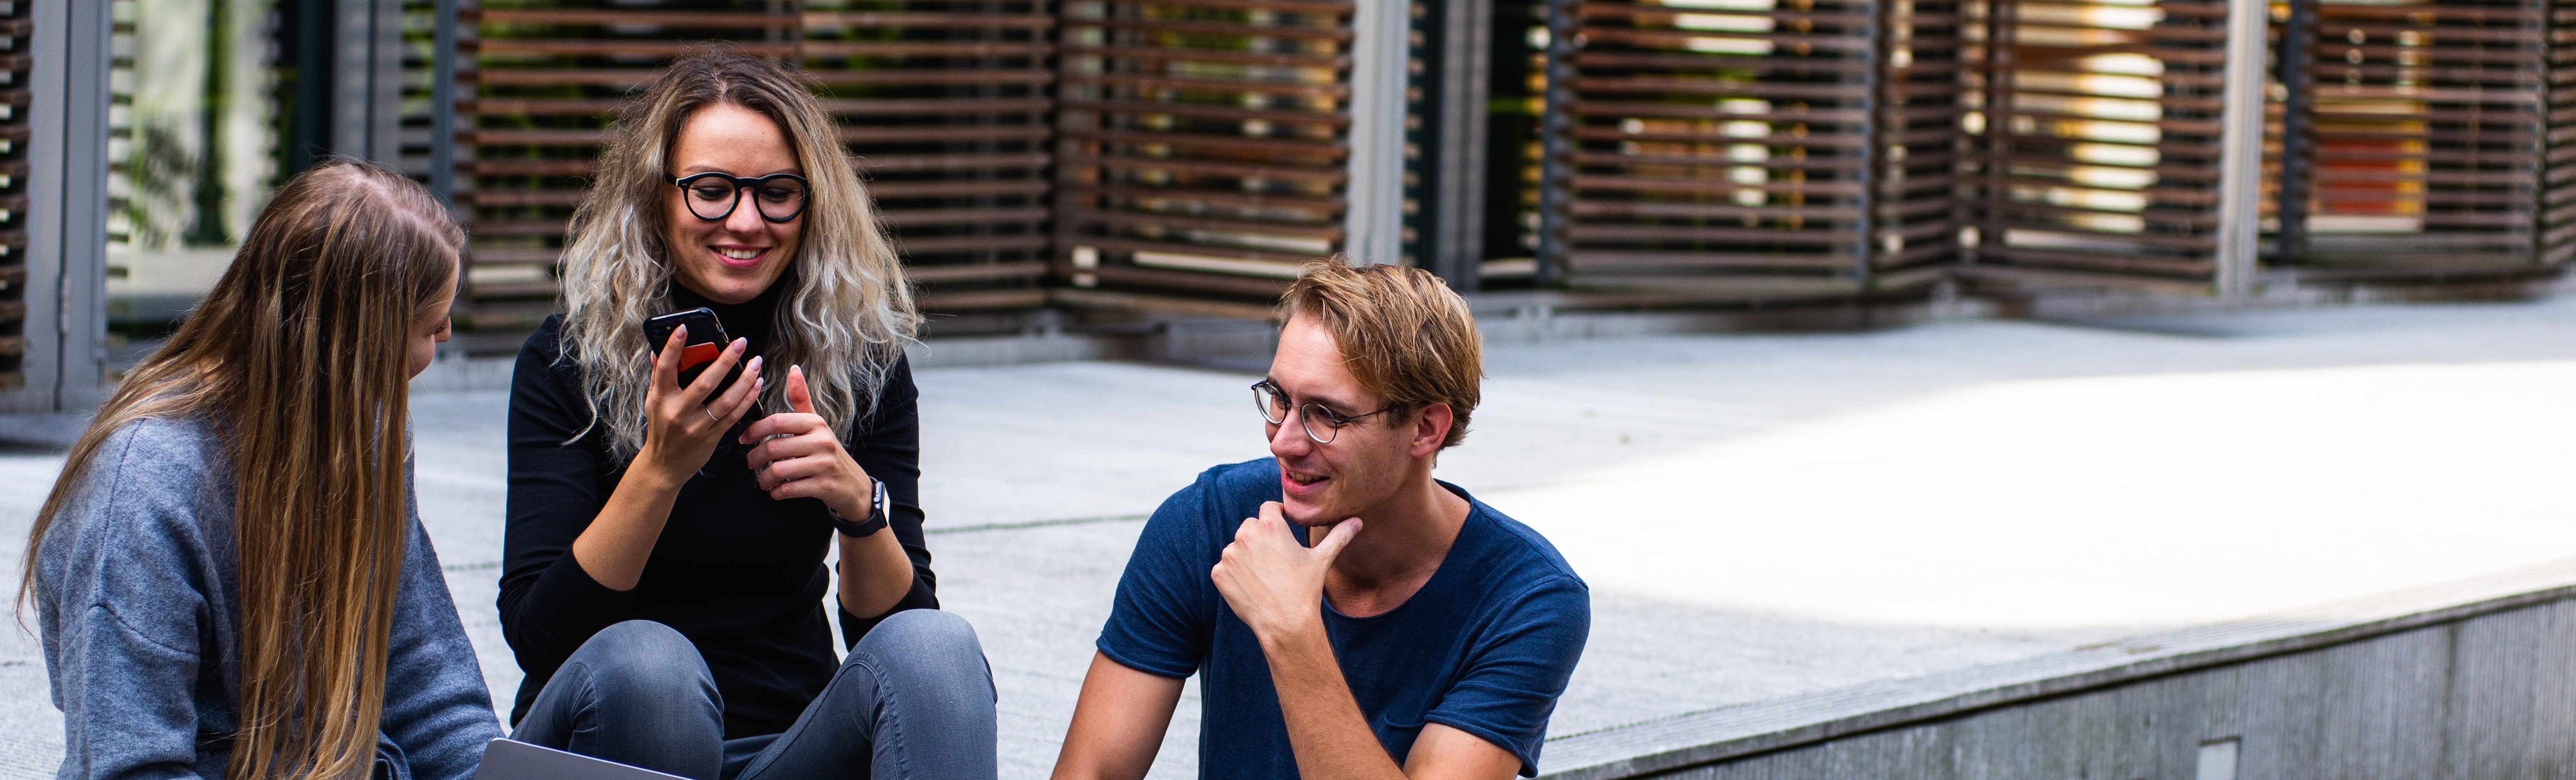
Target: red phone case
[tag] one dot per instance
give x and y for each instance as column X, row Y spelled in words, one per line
column 695, row 355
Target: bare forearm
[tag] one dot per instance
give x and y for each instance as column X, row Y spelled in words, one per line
column 1325, row 729
column 618, row 542
column 875, row 574
column 1118, row 723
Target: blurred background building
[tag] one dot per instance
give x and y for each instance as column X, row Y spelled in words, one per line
column 1113, row 164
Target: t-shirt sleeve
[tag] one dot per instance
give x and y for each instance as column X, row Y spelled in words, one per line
column 1516, row 672
column 1163, row 616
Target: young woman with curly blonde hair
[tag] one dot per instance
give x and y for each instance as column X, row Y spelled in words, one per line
column 664, row 579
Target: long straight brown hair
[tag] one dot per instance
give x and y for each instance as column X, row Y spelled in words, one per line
column 299, row 361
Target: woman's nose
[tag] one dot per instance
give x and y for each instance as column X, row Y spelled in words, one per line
column 746, row 213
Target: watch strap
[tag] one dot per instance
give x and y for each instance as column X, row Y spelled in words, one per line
column 876, row 514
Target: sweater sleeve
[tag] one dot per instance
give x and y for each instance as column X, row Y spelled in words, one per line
column 436, row 706
column 123, row 605
column 888, row 446
column 548, row 604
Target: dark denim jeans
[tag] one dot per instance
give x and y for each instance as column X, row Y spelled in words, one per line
column 914, row 700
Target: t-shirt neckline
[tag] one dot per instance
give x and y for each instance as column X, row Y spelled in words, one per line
column 1438, row 576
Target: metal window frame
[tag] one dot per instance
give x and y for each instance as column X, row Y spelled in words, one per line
column 66, row 259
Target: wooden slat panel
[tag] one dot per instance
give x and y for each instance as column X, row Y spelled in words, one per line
column 2091, row 165
column 944, row 106
column 1758, row 147
column 2431, row 123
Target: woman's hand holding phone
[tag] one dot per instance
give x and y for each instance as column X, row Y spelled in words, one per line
column 684, row 425
column 800, row 457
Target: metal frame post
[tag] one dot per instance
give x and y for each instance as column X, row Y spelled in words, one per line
column 1555, row 126
column 1373, row 220
column 366, row 80
column 442, row 103
column 2240, row 159
column 1874, row 113
column 66, row 323
column 2298, row 141
column 1457, row 51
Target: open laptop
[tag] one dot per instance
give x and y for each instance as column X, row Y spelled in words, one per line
column 508, row 760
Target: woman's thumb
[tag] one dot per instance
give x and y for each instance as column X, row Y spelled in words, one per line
column 798, row 398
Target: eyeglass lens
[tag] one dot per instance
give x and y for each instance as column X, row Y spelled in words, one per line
column 715, row 197
column 1274, row 408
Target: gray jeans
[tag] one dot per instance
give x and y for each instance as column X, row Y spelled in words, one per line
column 914, row 700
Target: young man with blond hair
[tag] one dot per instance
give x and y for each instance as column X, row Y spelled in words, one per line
column 1352, row 617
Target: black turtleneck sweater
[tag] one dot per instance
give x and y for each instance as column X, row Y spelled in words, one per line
column 739, row 573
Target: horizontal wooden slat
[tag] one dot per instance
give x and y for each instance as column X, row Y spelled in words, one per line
column 616, row 48
column 1598, row 260
column 1582, row 231
column 975, row 272
column 1313, row 175
column 1232, row 144
column 970, row 188
column 936, row 106
column 937, row 244
column 1218, row 28
column 943, row 133
column 1150, row 54
column 1209, row 85
column 924, row 49
column 974, row 300
column 1207, row 111
column 585, row 16
column 1214, row 197
column 1117, row 244
column 986, row 21
column 1229, row 284
column 957, row 216
column 925, row 77
column 1184, row 222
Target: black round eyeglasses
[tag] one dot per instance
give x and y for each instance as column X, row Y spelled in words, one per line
column 712, row 196
column 1275, row 407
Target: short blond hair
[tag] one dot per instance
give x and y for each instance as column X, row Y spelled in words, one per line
column 1402, row 332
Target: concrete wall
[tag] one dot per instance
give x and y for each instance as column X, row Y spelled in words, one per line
column 2475, row 682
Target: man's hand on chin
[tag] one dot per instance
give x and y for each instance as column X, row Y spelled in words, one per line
column 1275, row 584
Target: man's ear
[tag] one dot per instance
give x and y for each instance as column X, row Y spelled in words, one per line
column 1430, row 428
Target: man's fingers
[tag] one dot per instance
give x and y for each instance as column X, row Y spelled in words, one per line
column 1274, row 516
column 1338, row 538
column 798, row 398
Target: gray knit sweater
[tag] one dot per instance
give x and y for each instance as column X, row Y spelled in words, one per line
column 138, row 600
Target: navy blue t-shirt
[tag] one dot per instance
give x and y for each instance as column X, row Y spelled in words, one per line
column 1485, row 647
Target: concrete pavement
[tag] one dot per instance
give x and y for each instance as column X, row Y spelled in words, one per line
column 1759, row 515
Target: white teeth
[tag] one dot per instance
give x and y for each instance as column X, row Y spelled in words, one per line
column 739, row 254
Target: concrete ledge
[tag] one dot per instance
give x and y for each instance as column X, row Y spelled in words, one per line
column 1714, row 738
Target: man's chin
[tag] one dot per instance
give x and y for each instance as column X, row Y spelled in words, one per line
column 1309, row 515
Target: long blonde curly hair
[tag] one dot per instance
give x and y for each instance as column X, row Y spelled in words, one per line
column 846, row 320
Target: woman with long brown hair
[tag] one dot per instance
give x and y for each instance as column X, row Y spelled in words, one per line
column 664, row 577
column 230, row 574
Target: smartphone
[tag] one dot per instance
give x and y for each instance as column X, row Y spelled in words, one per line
column 707, row 340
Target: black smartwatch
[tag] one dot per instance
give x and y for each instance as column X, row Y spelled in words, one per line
column 876, row 515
